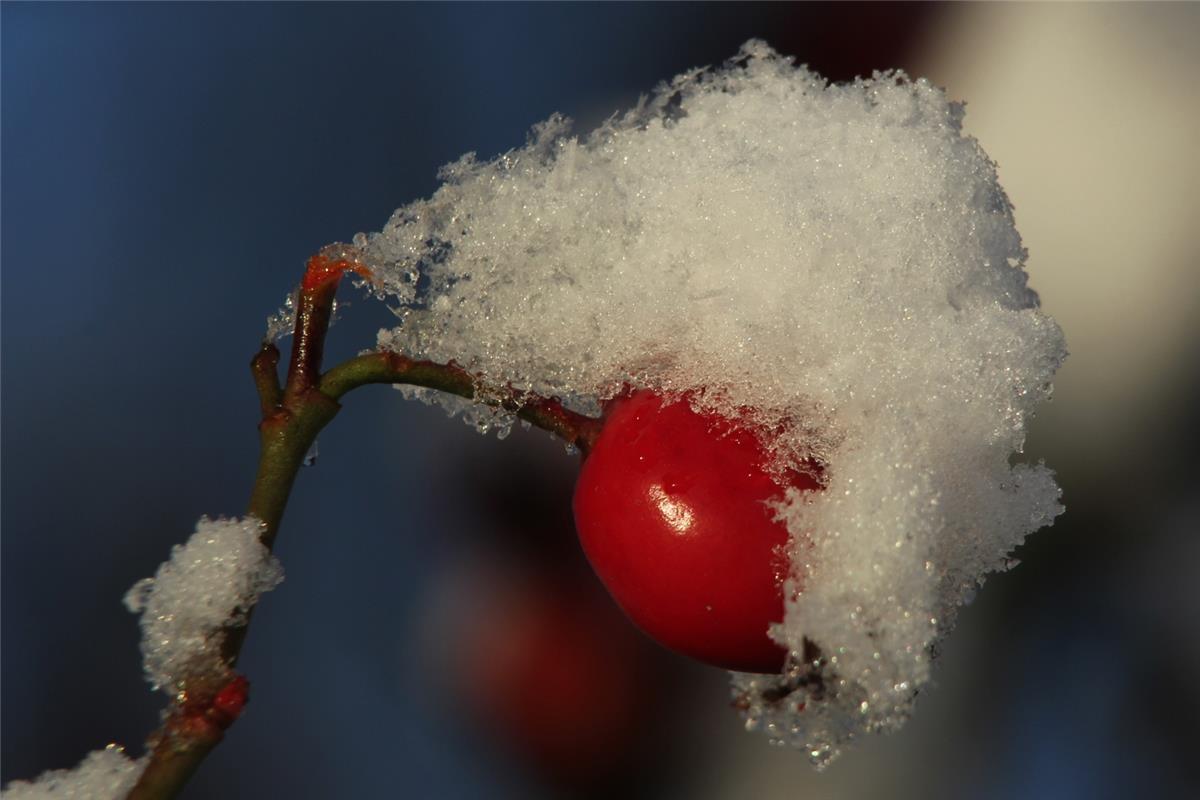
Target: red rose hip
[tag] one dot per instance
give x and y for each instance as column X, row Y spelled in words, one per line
column 672, row 510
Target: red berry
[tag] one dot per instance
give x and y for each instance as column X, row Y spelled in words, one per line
column 564, row 677
column 671, row 509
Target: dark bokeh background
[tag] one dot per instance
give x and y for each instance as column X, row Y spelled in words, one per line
column 168, row 168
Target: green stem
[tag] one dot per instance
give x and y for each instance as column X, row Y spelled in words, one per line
column 546, row 413
column 285, row 438
column 176, row 755
column 292, row 417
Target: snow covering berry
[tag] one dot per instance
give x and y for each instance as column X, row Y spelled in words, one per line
column 836, row 264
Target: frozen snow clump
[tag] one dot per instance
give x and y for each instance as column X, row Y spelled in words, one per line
column 106, row 774
column 840, row 258
column 209, row 583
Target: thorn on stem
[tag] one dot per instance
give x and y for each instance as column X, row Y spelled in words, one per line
column 228, row 703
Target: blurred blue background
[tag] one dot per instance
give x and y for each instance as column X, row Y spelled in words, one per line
column 166, row 170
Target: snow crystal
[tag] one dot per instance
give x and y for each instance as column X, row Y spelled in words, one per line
column 840, row 258
column 283, row 321
column 480, row 416
column 106, row 774
column 209, row 584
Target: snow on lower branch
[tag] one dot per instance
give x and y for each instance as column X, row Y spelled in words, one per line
column 106, row 774
column 208, row 585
